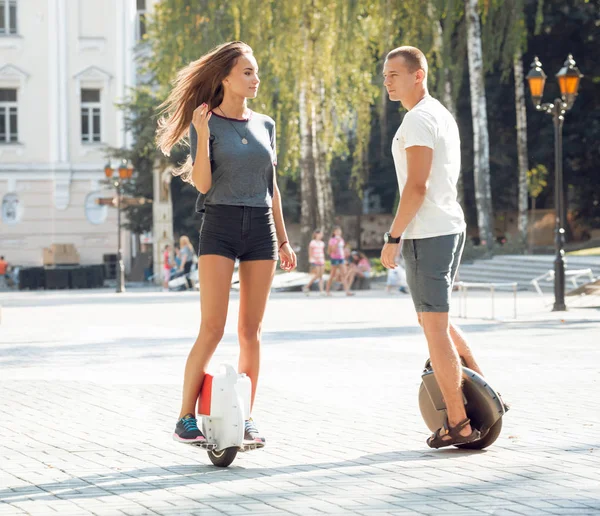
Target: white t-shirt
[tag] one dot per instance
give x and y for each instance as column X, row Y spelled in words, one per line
column 430, row 124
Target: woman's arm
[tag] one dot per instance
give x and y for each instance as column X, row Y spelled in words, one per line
column 199, row 138
column 278, row 213
column 287, row 256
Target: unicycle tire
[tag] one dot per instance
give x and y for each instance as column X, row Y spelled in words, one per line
column 487, row 440
column 222, row 458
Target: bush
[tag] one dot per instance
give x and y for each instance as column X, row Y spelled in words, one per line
column 376, row 266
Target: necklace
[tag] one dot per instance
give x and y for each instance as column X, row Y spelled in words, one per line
column 244, row 140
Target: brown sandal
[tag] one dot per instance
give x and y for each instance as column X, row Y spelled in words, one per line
column 441, row 441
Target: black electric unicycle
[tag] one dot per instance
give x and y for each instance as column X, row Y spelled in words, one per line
column 483, row 405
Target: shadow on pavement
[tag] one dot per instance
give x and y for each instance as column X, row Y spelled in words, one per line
column 156, row 478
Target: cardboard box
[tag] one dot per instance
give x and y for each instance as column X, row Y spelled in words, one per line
column 60, row 254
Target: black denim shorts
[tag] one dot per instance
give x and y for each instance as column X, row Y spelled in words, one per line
column 242, row 232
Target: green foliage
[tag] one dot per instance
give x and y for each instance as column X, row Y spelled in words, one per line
column 376, row 266
column 139, row 112
column 536, row 180
column 338, row 47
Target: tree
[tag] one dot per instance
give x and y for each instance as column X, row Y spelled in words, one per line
column 481, row 145
column 139, row 110
column 320, row 97
column 521, row 112
column 523, row 155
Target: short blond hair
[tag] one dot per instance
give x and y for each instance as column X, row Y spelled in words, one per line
column 414, row 58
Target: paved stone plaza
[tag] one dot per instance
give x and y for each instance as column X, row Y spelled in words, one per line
column 90, row 385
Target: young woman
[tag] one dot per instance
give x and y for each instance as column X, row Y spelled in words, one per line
column 316, row 259
column 232, row 164
column 338, row 260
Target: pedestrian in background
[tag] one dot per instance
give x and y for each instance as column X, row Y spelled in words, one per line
column 337, row 257
column 167, row 265
column 316, row 259
column 187, row 258
column 3, row 271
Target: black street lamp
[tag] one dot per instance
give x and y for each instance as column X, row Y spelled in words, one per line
column 124, row 172
column 568, row 79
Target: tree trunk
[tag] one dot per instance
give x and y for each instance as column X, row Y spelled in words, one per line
column 447, row 97
column 520, row 109
column 322, row 169
column 316, row 128
column 307, row 203
column 481, row 145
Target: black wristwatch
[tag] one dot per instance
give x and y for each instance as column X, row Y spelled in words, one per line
column 389, row 239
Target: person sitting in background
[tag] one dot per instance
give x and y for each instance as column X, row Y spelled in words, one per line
column 360, row 267
column 396, row 278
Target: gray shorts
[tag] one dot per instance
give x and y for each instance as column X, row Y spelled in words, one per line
column 431, row 265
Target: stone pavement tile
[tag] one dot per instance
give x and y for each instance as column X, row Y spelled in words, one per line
column 41, row 508
column 576, row 511
column 10, row 510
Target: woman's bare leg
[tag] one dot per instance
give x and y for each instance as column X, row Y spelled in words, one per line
column 350, row 275
column 214, row 274
column 347, row 276
column 332, row 274
column 320, row 271
column 256, row 277
column 313, row 278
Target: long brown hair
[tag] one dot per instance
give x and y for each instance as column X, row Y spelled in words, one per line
column 200, row 81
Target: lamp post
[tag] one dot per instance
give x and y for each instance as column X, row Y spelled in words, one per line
column 117, row 177
column 568, row 80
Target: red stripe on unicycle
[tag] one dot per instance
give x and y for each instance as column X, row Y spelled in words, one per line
column 206, row 395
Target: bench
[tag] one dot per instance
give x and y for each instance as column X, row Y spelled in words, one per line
column 573, row 275
column 464, row 286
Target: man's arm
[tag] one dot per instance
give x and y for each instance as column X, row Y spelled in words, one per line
column 418, row 161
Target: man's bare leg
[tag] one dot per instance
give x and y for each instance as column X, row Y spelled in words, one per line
column 463, row 349
column 446, row 364
column 460, row 343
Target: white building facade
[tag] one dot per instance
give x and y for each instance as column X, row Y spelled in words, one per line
column 63, row 66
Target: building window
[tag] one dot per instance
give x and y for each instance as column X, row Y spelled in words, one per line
column 12, row 209
column 8, row 116
column 90, row 115
column 8, row 17
column 96, row 213
column 140, row 20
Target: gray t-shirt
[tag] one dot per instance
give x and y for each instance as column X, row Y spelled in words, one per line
column 186, row 253
column 242, row 175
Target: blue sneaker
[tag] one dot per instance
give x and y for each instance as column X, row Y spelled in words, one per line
column 187, row 431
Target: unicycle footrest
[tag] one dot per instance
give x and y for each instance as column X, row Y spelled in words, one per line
column 249, row 446
column 205, row 446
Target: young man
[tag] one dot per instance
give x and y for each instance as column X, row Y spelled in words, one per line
column 426, row 150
